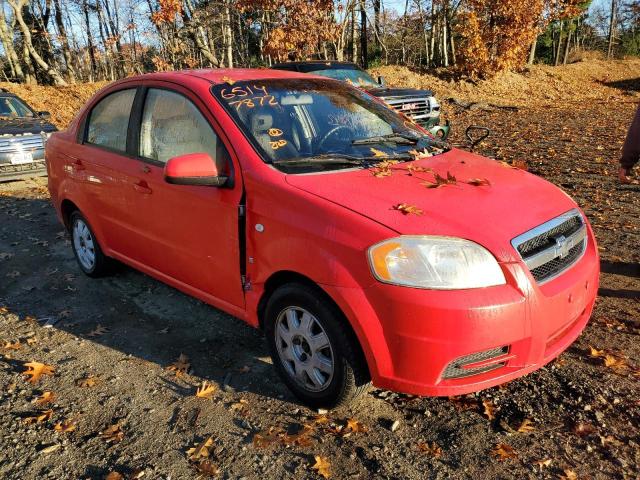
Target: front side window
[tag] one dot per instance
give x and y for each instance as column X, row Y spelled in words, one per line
column 172, row 125
column 14, row 107
column 319, row 123
column 109, row 120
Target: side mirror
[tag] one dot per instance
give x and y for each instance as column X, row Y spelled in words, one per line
column 381, row 80
column 193, row 169
column 44, row 114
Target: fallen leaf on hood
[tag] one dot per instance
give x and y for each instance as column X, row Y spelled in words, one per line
column 206, row 390
column 526, row 426
column 406, row 209
column 36, row 369
column 479, row 182
column 41, row 417
column 65, row 426
column 201, row 450
column 504, row 452
column 322, row 466
column 489, row 409
column 46, row 397
column 228, row 80
column 431, row 448
column 440, row 181
column 378, row 153
column 180, row 366
column 112, row 434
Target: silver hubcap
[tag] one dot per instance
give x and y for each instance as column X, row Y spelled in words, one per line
column 83, row 243
column 304, row 349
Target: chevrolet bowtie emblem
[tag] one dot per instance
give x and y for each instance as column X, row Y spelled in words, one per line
column 563, row 246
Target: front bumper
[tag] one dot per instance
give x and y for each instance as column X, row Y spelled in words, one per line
column 414, row 336
column 9, row 172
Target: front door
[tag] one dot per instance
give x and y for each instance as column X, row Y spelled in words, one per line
column 190, row 232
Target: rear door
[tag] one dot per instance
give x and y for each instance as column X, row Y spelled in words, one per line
column 189, row 233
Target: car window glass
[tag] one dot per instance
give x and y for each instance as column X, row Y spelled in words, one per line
column 12, row 107
column 172, row 126
column 109, row 120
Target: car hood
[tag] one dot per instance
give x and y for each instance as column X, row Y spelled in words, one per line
column 20, row 126
column 391, row 93
column 513, row 203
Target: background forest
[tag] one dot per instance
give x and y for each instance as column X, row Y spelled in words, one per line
column 68, row 41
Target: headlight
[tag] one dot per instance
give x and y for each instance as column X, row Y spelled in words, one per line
column 443, row 263
column 45, row 136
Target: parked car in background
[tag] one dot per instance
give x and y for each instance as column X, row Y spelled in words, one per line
column 303, row 206
column 419, row 105
column 23, row 134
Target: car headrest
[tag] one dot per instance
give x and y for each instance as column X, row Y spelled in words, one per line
column 261, row 122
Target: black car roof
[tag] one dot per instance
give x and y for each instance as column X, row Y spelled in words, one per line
column 318, row 62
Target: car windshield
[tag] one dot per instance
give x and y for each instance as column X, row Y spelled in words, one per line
column 13, row 107
column 320, row 124
column 353, row 76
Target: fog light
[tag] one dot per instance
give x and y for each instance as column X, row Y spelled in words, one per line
column 476, row 363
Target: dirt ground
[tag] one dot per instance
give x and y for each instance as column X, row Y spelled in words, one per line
column 113, row 341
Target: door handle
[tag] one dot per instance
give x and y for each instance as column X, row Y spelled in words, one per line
column 142, row 187
column 77, row 165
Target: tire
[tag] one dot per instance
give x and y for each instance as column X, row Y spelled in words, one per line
column 331, row 369
column 86, row 248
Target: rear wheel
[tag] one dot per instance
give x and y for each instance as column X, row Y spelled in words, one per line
column 312, row 348
column 86, row 248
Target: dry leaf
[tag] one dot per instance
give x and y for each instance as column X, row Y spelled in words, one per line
column 408, row 209
column 180, row 366
column 266, row 438
column 526, row 426
column 378, row 153
column 479, row 182
column 46, row 397
column 206, row 390
column 583, row 429
column 543, row 463
column 569, row 475
column 35, row 370
column 201, row 450
column 228, row 80
column 12, row 346
column 114, row 476
column 112, row 434
column 41, row 417
column 98, row 331
column 65, row 426
column 504, row 451
column 489, row 409
column 355, row 426
column 595, row 353
column 431, row 448
column 322, row 466
column 207, row 468
column 87, row 382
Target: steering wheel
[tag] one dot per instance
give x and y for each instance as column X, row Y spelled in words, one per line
column 330, row 134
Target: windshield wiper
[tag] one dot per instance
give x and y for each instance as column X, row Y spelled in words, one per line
column 398, row 138
column 338, row 159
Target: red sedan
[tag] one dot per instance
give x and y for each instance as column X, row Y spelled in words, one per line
column 365, row 249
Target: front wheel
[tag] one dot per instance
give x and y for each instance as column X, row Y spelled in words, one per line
column 312, row 348
column 86, row 248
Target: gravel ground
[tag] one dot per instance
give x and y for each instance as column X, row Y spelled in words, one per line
column 114, row 341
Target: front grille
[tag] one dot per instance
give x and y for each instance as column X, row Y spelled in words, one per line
column 414, row 108
column 20, row 143
column 455, row 369
column 554, row 246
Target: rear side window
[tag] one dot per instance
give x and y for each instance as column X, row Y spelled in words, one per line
column 172, row 125
column 109, row 120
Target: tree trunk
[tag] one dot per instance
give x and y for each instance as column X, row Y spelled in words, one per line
column 363, row 35
column 612, row 28
column 6, row 38
column 90, row 46
column 229, row 34
column 64, row 42
column 557, row 60
column 532, row 51
column 567, row 46
column 17, row 5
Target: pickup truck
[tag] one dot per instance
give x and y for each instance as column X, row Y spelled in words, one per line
column 421, row 106
column 23, row 133
column 364, row 248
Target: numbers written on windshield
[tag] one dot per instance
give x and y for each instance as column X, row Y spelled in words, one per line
column 248, row 96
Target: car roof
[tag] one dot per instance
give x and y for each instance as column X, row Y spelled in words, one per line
column 220, row 75
column 317, row 62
